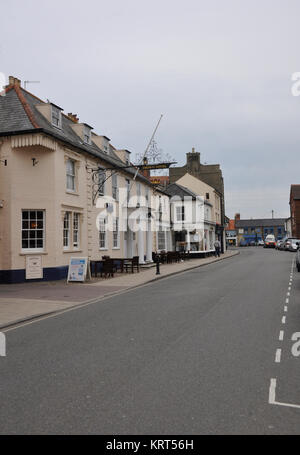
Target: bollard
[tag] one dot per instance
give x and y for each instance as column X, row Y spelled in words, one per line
column 157, row 266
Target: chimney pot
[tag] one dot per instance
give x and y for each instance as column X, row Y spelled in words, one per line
column 14, row 81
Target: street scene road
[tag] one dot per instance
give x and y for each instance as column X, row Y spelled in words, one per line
column 208, row 351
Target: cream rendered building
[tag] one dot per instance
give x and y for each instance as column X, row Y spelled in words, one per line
column 65, row 192
column 200, row 239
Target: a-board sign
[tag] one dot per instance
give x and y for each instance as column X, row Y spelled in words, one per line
column 78, row 269
column 34, row 269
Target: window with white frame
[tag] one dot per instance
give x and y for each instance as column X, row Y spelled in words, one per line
column 128, row 189
column 86, row 134
column 101, row 182
column 116, row 233
column 33, row 229
column 76, row 230
column 161, row 240
column 114, row 183
column 55, row 116
column 71, row 230
column 70, row 174
column 103, row 244
column 66, row 230
column 180, row 213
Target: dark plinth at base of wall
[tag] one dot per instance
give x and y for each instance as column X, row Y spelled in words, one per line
column 19, row 276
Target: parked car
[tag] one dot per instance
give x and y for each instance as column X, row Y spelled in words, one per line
column 270, row 241
column 252, row 243
column 278, row 244
column 294, row 244
column 298, row 260
column 260, row 243
column 287, row 243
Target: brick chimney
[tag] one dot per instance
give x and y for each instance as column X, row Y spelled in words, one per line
column 237, row 217
column 73, row 117
column 193, row 161
column 146, row 172
column 13, row 81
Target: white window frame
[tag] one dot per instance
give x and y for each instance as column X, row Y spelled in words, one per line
column 71, row 229
column 116, row 233
column 76, row 230
column 161, row 232
column 180, row 218
column 67, row 230
column 114, row 186
column 56, row 119
column 87, row 134
column 29, row 229
column 71, row 176
column 103, row 229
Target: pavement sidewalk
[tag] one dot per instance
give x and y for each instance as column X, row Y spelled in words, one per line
column 26, row 301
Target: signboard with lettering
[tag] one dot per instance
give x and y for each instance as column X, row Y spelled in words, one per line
column 78, row 269
column 34, row 269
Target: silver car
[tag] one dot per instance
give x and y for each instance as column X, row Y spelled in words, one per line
column 293, row 244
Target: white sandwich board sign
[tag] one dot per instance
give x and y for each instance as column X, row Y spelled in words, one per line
column 78, row 269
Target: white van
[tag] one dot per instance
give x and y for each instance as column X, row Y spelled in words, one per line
column 270, row 241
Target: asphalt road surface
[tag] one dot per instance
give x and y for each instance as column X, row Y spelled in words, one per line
column 210, row 351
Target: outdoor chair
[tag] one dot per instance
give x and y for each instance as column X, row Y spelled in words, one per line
column 108, row 268
column 132, row 264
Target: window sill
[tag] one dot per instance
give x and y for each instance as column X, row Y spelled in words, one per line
column 72, row 251
column 116, row 248
column 103, row 249
column 74, row 193
column 32, row 253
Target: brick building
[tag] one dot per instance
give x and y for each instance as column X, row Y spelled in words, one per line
column 295, row 210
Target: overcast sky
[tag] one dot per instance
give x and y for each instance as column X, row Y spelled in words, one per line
column 220, row 72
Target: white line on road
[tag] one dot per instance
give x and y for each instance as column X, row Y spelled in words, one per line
column 272, row 396
column 286, row 300
column 283, row 319
column 289, row 288
column 288, row 294
column 285, row 308
column 278, row 355
column 281, row 335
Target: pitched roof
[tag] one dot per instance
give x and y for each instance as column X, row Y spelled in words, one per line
column 262, row 222
column 19, row 115
column 178, row 190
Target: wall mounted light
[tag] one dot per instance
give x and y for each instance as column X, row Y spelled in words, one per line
column 34, row 161
column 4, row 162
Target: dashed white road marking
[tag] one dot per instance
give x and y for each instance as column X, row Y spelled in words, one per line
column 289, row 288
column 281, row 335
column 285, row 308
column 288, row 294
column 286, row 300
column 272, row 396
column 278, row 355
column 283, row 319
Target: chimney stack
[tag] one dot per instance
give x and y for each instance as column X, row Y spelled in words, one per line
column 73, row 117
column 237, row 217
column 146, row 172
column 13, row 81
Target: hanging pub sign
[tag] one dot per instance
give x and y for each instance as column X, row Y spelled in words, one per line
column 79, row 269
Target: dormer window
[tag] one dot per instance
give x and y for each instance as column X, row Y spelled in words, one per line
column 87, row 134
column 56, row 116
column 127, row 158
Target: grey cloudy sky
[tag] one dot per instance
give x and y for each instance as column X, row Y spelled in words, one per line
column 220, row 72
